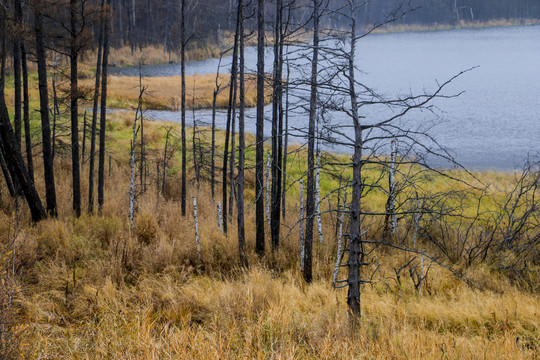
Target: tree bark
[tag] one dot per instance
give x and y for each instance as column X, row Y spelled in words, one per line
column 103, row 115
column 232, row 100
column 26, row 115
column 356, row 253
column 94, row 114
column 275, row 216
column 74, row 97
column 183, row 103
column 48, row 167
column 310, row 201
column 259, row 137
column 17, row 119
column 241, row 146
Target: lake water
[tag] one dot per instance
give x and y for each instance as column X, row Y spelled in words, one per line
column 493, row 123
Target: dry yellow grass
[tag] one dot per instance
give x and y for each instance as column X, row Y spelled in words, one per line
column 93, row 290
column 163, row 93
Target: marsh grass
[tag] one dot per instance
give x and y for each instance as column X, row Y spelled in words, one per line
column 91, row 289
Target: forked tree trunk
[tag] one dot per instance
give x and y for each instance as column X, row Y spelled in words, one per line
column 232, row 101
column 94, row 117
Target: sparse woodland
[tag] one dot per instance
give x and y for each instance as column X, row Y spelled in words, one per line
column 130, row 238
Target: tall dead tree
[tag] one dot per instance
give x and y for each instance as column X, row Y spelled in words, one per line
column 103, row 114
column 183, row 101
column 48, row 168
column 277, row 128
column 241, row 145
column 94, row 115
column 310, row 201
column 26, row 112
column 74, row 98
column 17, row 120
column 11, row 153
column 231, row 105
column 259, row 138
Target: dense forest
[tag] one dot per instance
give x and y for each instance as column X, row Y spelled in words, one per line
column 124, row 237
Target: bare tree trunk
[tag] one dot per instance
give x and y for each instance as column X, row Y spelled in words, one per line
column 286, row 144
column 275, row 219
column 56, row 108
column 26, row 115
column 74, row 97
column 165, row 161
column 220, row 216
column 310, row 205
column 259, row 139
column 340, row 237
column 94, row 115
column 50, row 192
column 241, row 146
column 17, row 120
column 391, row 219
column 197, row 239
column 356, row 253
column 318, row 198
column 267, row 188
column 83, row 141
column 232, row 101
column 103, row 115
column 11, row 153
column 302, row 241
column 183, row 102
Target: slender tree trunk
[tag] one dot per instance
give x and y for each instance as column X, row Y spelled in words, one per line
column 56, row 108
column 83, row 150
column 94, row 115
column 310, row 203
column 232, row 101
column 183, row 102
column 275, row 219
column 356, row 253
column 259, row 139
column 50, row 192
column 7, row 175
column 17, row 120
column 318, row 197
column 285, row 145
column 74, row 97
column 241, row 146
column 103, row 115
column 213, row 147
column 233, row 150
column 26, row 115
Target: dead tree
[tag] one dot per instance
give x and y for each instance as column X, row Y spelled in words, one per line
column 103, row 114
column 183, row 101
column 241, row 145
column 94, row 115
column 310, row 203
column 48, row 167
column 259, row 146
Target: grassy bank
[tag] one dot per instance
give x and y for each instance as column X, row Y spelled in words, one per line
column 163, row 93
column 92, row 289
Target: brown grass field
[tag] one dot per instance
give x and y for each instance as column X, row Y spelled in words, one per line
column 88, row 288
column 163, row 93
